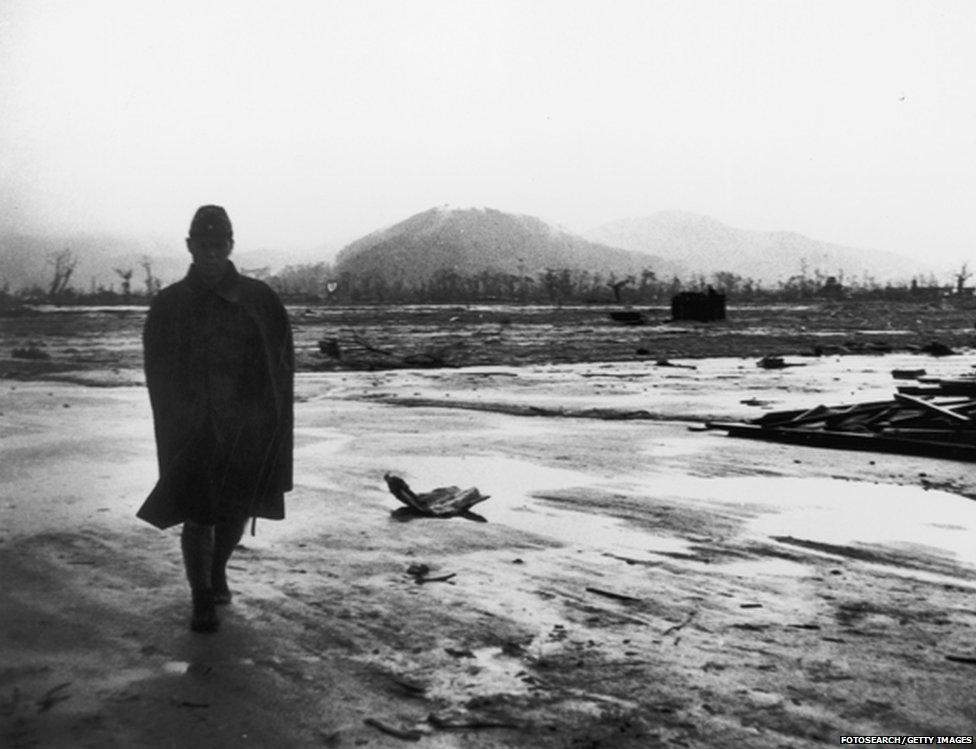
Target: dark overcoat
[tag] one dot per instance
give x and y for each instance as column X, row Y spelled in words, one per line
column 219, row 366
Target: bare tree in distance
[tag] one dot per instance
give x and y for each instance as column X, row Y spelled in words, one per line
column 64, row 263
column 126, row 276
column 962, row 276
column 617, row 286
column 153, row 284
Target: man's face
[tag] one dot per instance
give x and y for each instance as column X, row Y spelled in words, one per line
column 210, row 257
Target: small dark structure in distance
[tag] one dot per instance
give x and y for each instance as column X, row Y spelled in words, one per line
column 699, row 306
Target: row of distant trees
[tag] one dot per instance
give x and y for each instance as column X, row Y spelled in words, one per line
column 57, row 289
column 321, row 283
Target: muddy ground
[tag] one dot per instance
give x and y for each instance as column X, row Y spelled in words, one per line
column 638, row 583
column 58, row 343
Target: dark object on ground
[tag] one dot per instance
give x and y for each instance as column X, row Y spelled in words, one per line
column 940, row 425
column 907, row 374
column 950, row 386
column 629, row 317
column 937, row 349
column 667, row 363
column 962, row 659
column 444, row 501
column 405, row 735
column 695, row 305
column 330, row 347
column 771, row 362
column 467, row 724
column 421, row 574
column 611, row 594
column 775, row 362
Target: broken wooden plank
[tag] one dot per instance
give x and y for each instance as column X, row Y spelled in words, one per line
column 934, row 408
column 399, row 733
column 850, row 441
column 445, row 724
column 444, row 501
column 611, row 594
column 680, row 625
column 920, row 389
column 921, row 433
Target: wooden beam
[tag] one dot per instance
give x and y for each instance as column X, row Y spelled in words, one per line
column 934, row 408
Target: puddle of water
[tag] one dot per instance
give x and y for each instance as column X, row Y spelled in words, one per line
column 836, row 511
column 841, row 512
column 826, row 510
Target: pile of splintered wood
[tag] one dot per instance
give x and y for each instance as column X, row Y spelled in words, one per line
column 934, row 423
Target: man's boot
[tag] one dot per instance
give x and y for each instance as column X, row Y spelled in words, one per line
column 197, row 543
column 226, row 536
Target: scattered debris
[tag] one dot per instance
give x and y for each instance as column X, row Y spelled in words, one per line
column 668, row 363
column 610, row 594
column 776, row 362
column 969, row 660
column 933, row 424
column 409, row 686
column 680, row 625
column 420, row 573
column 965, row 385
column 444, row 501
column 446, row 724
column 52, row 697
column 399, row 733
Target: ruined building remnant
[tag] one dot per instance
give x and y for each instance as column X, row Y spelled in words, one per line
column 700, row 306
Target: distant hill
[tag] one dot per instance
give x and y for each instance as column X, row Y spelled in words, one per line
column 702, row 245
column 473, row 240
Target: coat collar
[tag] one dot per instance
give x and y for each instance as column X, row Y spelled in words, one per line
column 229, row 287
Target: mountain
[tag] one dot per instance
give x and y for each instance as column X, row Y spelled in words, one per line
column 473, row 240
column 702, row 245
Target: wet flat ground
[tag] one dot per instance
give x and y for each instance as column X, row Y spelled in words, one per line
column 637, row 583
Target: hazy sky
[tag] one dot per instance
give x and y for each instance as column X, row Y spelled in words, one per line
column 316, row 122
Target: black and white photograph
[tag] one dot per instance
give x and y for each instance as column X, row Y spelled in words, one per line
column 487, row 373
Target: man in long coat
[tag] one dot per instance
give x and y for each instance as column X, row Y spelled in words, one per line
column 220, row 371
